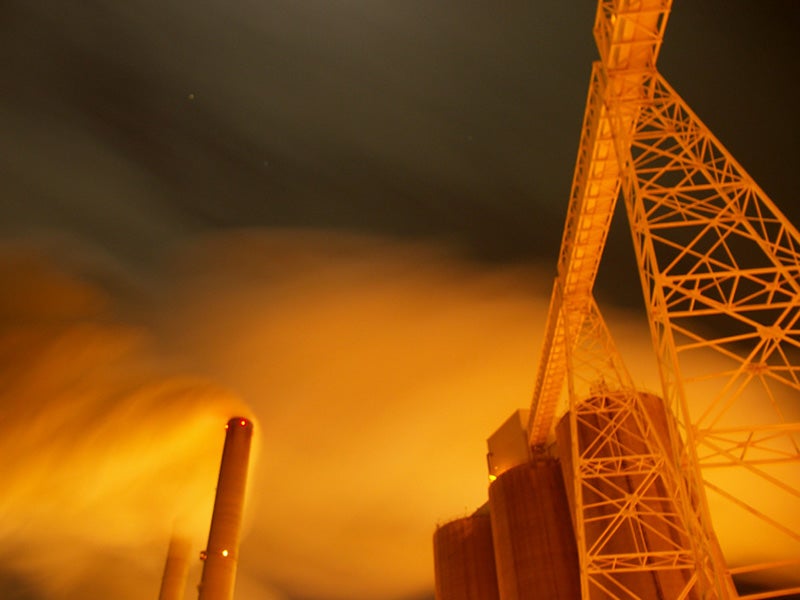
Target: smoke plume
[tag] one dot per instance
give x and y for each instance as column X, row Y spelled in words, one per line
column 375, row 371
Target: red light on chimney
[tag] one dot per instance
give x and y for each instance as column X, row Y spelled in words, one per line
column 219, row 569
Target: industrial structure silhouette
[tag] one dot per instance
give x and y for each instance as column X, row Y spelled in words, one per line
column 602, row 491
column 221, row 554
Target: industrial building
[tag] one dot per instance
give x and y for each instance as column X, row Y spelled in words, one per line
column 601, row 491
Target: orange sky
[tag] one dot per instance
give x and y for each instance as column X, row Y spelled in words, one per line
column 374, row 371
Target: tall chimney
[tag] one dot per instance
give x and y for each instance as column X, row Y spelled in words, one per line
column 176, row 568
column 222, row 552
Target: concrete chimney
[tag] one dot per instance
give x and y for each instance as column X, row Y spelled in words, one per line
column 176, row 568
column 222, row 553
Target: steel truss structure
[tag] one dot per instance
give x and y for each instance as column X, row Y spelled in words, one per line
column 720, row 271
column 636, row 531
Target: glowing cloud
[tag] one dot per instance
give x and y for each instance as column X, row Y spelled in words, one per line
column 375, row 371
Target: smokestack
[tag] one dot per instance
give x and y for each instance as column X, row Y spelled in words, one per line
column 175, row 569
column 222, row 552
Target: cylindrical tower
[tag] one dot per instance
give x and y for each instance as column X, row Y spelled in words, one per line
column 534, row 546
column 651, row 526
column 176, row 568
column 221, row 554
column 463, row 558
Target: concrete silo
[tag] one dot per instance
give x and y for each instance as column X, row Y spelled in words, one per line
column 463, row 558
column 535, row 551
column 631, row 433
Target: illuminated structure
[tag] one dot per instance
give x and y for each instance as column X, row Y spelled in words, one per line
column 720, row 271
column 464, row 559
column 221, row 554
column 176, row 568
column 534, row 550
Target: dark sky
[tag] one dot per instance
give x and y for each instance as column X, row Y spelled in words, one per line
column 457, row 120
column 130, row 130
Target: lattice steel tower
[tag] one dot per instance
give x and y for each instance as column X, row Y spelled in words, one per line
column 720, row 271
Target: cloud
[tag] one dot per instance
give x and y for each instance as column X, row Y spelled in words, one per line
column 103, row 449
column 375, row 371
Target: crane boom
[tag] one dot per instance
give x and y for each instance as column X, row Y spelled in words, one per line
column 628, row 34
